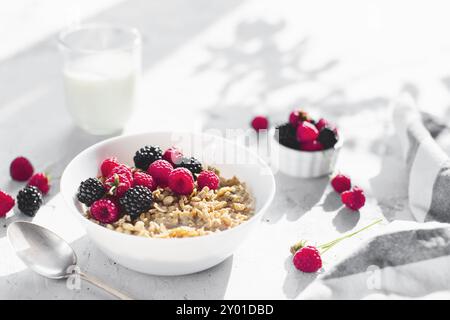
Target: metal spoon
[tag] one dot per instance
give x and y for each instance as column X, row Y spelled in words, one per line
column 49, row 255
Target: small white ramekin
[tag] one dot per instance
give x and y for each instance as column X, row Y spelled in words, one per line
column 303, row 164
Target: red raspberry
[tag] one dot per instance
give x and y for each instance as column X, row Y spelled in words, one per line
column 293, row 119
column 181, row 181
column 107, row 166
column 313, row 145
column 143, row 179
column 160, row 170
column 341, row 183
column 122, row 169
column 208, row 179
column 114, row 200
column 40, row 181
column 260, row 123
column 6, row 203
column 354, row 199
column 173, row 155
column 105, row 211
column 308, row 259
column 322, row 123
column 21, row 169
column 117, row 185
column 306, row 131
column 297, row 116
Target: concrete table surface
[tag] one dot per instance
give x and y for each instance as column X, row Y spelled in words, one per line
column 214, row 64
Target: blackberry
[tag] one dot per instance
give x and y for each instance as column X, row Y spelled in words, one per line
column 145, row 156
column 327, row 137
column 192, row 164
column 29, row 200
column 136, row 200
column 90, row 190
column 286, row 135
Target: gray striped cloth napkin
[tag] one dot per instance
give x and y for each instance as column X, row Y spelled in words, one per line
column 427, row 163
column 409, row 259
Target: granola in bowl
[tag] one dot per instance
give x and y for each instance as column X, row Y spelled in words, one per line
column 163, row 197
column 201, row 213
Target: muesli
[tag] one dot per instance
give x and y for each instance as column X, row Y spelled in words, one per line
column 164, row 195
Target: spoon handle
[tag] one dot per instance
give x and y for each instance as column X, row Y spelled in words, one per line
column 105, row 287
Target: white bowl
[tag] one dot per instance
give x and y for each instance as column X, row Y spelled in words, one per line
column 175, row 256
column 303, row 164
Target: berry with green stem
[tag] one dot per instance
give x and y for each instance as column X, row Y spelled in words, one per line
column 117, row 185
column 308, row 258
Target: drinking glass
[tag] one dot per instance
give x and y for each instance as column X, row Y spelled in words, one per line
column 101, row 74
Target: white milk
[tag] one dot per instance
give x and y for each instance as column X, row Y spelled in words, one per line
column 101, row 90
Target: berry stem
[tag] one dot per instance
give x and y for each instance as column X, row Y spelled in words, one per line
column 112, row 190
column 115, row 185
column 49, row 177
column 298, row 246
column 327, row 246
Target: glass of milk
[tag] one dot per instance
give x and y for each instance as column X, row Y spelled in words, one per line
column 101, row 72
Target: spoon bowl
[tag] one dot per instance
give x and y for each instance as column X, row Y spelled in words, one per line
column 48, row 254
column 41, row 249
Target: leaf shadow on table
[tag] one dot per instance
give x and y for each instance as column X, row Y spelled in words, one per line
column 135, row 284
column 296, row 281
column 275, row 67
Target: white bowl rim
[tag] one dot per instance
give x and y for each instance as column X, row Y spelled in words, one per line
column 256, row 215
column 338, row 145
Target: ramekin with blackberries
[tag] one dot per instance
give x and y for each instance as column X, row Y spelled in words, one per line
column 305, row 147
